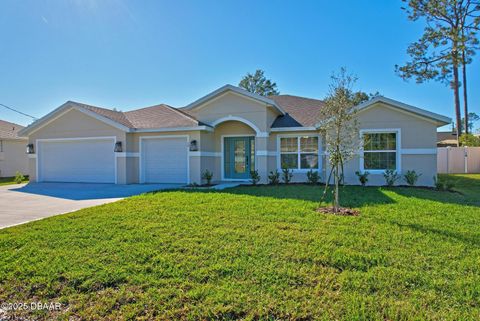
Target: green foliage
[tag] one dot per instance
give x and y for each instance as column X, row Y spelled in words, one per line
column 391, row 177
column 11, row 180
column 203, row 255
column 207, row 175
column 340, row 128
column 361, row 97
column 287, row 175
column 449, row 41
column 19, row 177
column 411, row 177
column 443, row 183
column 254, row 177
column 438, row 50
column 313, row 177
column 362, row 177
column 472, row 119
column 469, row 140
column 274, row 177
column 259, row 84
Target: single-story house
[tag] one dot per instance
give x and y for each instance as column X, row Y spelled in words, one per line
column 229, row 132
column 446, row 139
column 12, row 150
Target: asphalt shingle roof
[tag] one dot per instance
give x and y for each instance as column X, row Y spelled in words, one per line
column 160, row 116
column 9, row 130
column 301, row 111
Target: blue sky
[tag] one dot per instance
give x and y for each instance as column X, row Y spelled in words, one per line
column 132, row 54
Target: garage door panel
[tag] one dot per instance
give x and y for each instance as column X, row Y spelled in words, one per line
column 164, row 160
column 88, row 161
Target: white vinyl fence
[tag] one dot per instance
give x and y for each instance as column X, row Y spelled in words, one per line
column 458, row 160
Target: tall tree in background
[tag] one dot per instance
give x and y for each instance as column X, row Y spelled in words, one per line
column 341, row 129
column 259, row 84
column 361, row 97
column 470, row 120
column 468, row 50
column 438, row 54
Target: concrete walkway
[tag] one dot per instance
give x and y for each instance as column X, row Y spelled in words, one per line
column 24, row 203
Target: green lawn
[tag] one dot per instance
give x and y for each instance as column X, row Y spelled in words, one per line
column 10, row 181
column 255, row 253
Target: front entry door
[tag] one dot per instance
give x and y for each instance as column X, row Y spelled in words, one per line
column 239, row 157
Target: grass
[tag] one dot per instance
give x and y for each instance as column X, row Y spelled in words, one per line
column 254, row 253
column 10, row 181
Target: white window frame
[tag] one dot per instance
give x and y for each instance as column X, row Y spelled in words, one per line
column 298, row 152
column 398, row 150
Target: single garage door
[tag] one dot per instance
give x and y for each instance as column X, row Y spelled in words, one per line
column 164, row 160
column 77, row 160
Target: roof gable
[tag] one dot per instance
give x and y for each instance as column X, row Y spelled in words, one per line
column 425, row 114
column 237, row 90
column 9, row 130
column 107, row 116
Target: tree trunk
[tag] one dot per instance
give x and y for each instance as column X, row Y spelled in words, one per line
column 465, row 100
column 336, row 202
column 457, row 101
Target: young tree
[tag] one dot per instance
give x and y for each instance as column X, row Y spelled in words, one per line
column 340, row 128
column 451, row 30
column 259, row 84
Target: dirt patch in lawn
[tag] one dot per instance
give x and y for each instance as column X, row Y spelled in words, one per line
column 342, row 211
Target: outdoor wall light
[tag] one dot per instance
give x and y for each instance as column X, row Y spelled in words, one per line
column 193, row 146
column 118, row 147
column 30, row 149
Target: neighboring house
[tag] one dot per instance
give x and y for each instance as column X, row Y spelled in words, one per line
column 446, row 139
column 229, row 132
column 12, row 150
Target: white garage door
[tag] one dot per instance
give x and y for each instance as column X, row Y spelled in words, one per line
column 164, row 160
column 79, row 160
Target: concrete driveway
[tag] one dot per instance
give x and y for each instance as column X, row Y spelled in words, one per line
column 24, row 203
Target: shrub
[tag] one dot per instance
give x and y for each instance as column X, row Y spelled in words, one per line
column 274, row 178
column 19, row 178
column 391, row 177
column 362, row 177
column 411, row 177
column 207, row 175
column 254, row 177
column 443, row 184
column 469, row 140
column 313, row 177
column 287, row 175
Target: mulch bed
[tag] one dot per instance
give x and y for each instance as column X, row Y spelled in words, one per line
column 343, row 211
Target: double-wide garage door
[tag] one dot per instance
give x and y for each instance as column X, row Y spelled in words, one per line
column 82, row 160
column 92, row 160
column 164, row 160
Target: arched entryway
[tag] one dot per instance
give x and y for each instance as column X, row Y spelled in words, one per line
column 236, row 139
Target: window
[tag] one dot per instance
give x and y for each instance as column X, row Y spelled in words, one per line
column 380, row 151
column 299, row 152
column 1, row 146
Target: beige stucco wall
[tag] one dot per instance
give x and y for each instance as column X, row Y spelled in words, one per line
column 75, row 124
column 416, row 134
column 133, row 146
column 13, row 157
column 231, row 104
column 272, row 146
